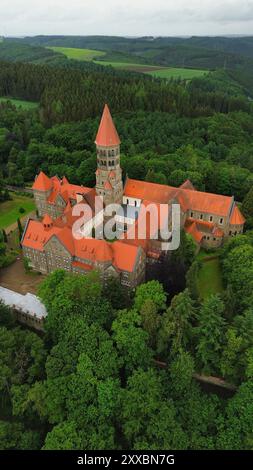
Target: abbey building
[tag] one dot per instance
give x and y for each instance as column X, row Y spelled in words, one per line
column 48, row 243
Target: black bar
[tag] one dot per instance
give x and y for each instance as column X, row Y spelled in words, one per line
column 113, row 459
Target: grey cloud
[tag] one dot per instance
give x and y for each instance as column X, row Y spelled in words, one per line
column 131, row 17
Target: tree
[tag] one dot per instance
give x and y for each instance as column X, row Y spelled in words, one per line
column 210, row 334
column 236, row 430
column 175, row 333
column 181, row 372
column 192, row 278
column 152, row 290
column 20, row 228
column 150, row 320
column 147, row 417
column 131, row 340
column 66, row 294
column 247, row 208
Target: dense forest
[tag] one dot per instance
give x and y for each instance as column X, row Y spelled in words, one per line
column 94, row 380
column 212, row 53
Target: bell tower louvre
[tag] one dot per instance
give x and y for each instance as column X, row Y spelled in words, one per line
column 109, row 174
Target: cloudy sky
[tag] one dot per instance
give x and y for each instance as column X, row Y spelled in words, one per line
column 126, row 17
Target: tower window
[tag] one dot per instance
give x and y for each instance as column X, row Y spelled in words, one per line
column 221, row 221
column 211, row 218
column 201, row 216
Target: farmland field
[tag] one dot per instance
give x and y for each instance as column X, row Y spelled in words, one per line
column 19, row 103
column 78, row 54
column 9, row 210
column 156, row 70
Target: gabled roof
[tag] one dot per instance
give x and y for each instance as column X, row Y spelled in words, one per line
column 107, row 135
column 47, row 220
column 42, row 182
column 192, row 229
column 187, row 185
column 236, row 217
column 120, row 255
column 188, row 198
column 197, row 228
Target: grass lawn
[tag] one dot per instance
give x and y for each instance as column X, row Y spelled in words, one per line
column 9, row 210
column 78, row 54
column 210, row 278
column 20, row 103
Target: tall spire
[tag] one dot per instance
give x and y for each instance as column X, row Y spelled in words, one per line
column 107, row 135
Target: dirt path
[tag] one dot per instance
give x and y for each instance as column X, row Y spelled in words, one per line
column 23, row 220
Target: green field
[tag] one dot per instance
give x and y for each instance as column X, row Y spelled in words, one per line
column 210, row 278
column 156, row 71
column 78, row 54
column 9, row 210
column 19, row 103
column 185, row 74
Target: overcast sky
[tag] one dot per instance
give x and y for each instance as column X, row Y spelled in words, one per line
column 126, row 17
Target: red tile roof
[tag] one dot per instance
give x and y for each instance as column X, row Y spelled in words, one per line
column 47, row 220
column 187, row 185
column 85, row 267
column 237, row 217
column 189, row 199
column 120, row 255
column 107, row 135
column 42, row 182
column 192, row 229
column 197, row 228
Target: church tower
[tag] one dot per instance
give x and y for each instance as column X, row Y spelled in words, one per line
column 109, row 174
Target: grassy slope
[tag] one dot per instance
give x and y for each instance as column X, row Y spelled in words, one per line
column 210, row 278
column 78, row 54
column 19, row 103
column 9, row 210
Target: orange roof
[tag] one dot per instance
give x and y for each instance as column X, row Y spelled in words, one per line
column 150, row 191
column 197, row 228
column 237, row 217
column 125, row 256
column 208, row 202
column 85, row 267
column 187, row 185
column 47, row 220
column 189, row 199
column 42, row 182
column 192, row 229
column 120, row 255
column 112, row 174
column 36, row 236
column 107, row 135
